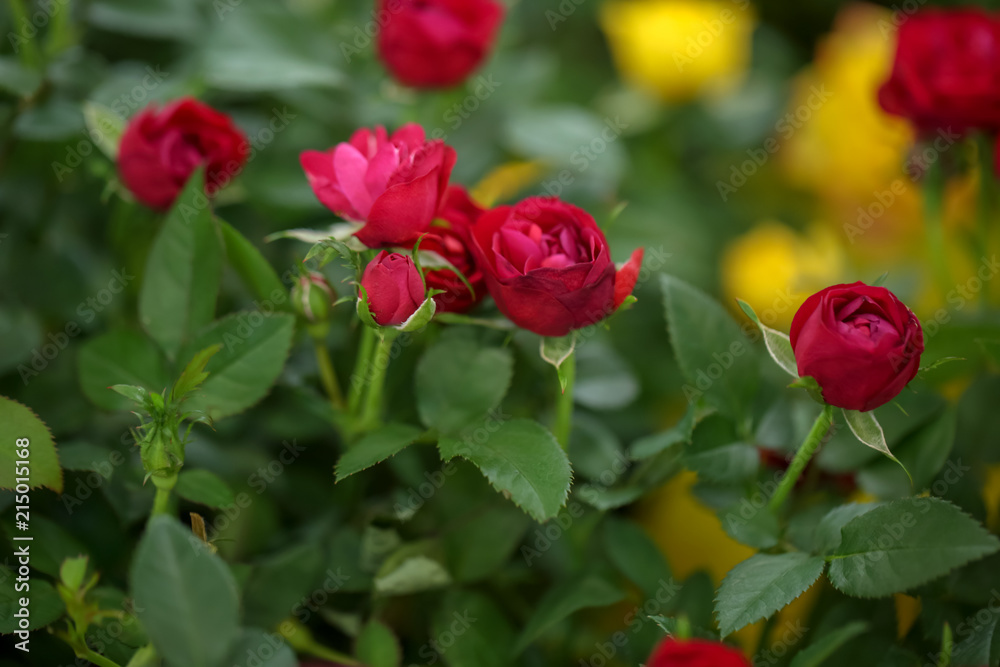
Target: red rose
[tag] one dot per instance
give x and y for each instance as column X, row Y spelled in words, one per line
column 394, row 288
column 451, row 237
column 695, row 653
column 860, row 343
column 548, row 266
column 161, row 148
column 393, row 184
column 946, row 71
column 436, row 43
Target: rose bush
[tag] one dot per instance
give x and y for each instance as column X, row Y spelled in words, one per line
column 437, row 43
column 548, row 266
column 860, row 343
column 394, row 184
column 161, row 148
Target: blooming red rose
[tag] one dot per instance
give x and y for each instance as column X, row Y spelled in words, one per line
column 393, row 287
column 393, row 184
column 450, row 237
column 860, row 343
column 695, row 653
column 436, row 43
column 548, row 266
column 161, row 148
column 946, row 71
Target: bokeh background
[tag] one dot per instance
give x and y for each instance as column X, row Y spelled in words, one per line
column 743, row 138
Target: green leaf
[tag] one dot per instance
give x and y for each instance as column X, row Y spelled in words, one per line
column 779, row 346
column 711, row 350
column 828, row 531
column 482, row 634
column 412, row 568
column 637, row 557
column 376, row 447
column 476, row 549
column 278, row 585
column 184, row 595
column 162, row 19
column 204, row 488
column 17, row 79
column 603, row 379
column 679, row 434
column 923, row 452
column 459, row 381
column 816, row 653
column 254, row 349
column 377, row 646
column 257, row 648
column 105, row 127
column 760, row 529
column 562, row 601
column 183, row 272
column 52, row 544
column 977, row 648
column 72, row 572
column 762, row 585
column 21, row 431
column 522, row 459
column 137, row 395
column 120, row 357
column 194, row 373
column 44, row 604
column 255, row 271
column 866, row 428
column 906, row 543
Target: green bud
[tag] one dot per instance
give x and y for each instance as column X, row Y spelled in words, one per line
column 312, row 299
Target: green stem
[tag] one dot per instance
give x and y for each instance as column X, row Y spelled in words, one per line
column 812, row 442
column 365, row 348
column 161, row 503
column 31, row 55
column 564, row 408
column 328, row 375
column 372, row 409
column 96, row 658
column 934, row 186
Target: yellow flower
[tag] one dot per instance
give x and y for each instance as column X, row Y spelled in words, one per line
column 506, row 181
column 848, row 148
column 775, row 269
column 680, row 49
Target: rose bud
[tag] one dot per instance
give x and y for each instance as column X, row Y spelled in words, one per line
column 860, row 343
column 673, row 652
column 312, row 299
column 436, row 43
column 946, row 73
column 548, row 266
column 161, row 148
column 393, row 287
column 392, row 184
column 450, row 237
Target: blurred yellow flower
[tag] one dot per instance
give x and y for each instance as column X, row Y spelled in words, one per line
column 850, row 148
column 680, row 49
column 775, row 269
column 506, row 181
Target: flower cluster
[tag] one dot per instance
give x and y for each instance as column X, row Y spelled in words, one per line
column 545, row 262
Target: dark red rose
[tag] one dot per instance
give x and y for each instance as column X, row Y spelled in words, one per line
column 947, row 71
column 695, row 653
column 860, row 343
column 394, row 185
column 394, row 288
column 161, row 148
column 548, row 266
column 436, row 43
column 450, row 237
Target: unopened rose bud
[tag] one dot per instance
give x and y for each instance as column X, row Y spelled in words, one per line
column 312, row 299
